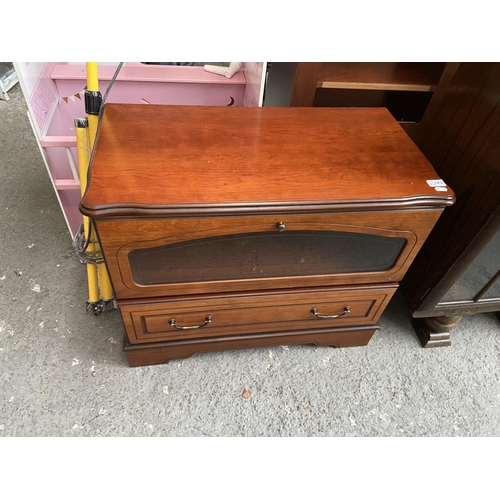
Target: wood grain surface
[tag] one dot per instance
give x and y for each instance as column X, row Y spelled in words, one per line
column 419, row 77
column 166, row 158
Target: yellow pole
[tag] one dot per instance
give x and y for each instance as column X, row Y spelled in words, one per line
column 92, row 86
column 82, row 145
column 105, row 288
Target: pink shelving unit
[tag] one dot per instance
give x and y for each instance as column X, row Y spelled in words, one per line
column 54, row 93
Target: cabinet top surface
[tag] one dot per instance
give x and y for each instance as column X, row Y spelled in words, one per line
column 159, row 159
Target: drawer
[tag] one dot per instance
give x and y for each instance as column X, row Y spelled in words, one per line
column 236, row 314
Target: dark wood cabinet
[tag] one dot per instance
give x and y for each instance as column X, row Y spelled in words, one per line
column 452, row 113
column 227, row 228
column 457, row 272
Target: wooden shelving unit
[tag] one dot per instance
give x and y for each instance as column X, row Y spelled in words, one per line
column 404, row 88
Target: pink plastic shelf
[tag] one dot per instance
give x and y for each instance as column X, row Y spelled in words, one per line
column 148, row 73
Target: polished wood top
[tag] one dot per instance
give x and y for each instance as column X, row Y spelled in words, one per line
column 164, row 160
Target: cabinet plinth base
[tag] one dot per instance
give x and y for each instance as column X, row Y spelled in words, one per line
column 434, row 332
column 148, row 354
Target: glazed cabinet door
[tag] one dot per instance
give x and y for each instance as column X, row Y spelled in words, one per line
column 153, row 258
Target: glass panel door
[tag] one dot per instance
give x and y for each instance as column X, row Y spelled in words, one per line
column 264, row 255
column 480, row 280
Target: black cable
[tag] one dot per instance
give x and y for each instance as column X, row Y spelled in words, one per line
column 80, row 244
column 119, row 67
column 101, row 111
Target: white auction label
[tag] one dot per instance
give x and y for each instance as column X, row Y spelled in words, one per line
column 436, row 182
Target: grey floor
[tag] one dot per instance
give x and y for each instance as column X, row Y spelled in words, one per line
column 63, row 372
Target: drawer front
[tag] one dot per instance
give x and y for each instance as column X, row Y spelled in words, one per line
column 193, row 256
column 253, row 313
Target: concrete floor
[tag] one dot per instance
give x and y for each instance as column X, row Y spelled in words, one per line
column 63, row 372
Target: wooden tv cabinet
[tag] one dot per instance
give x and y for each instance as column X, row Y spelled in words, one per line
column 233, row 227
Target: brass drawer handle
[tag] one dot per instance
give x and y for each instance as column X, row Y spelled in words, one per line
column 347, row 310
column 173, row 323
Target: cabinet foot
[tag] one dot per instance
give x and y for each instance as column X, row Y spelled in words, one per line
column 435, row 332
column 162, row 352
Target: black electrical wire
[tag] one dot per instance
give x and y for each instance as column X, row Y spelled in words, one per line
column 101, row 110
column 118, row 68
column 80, row 244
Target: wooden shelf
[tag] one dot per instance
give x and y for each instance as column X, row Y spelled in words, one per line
column 414, row 77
